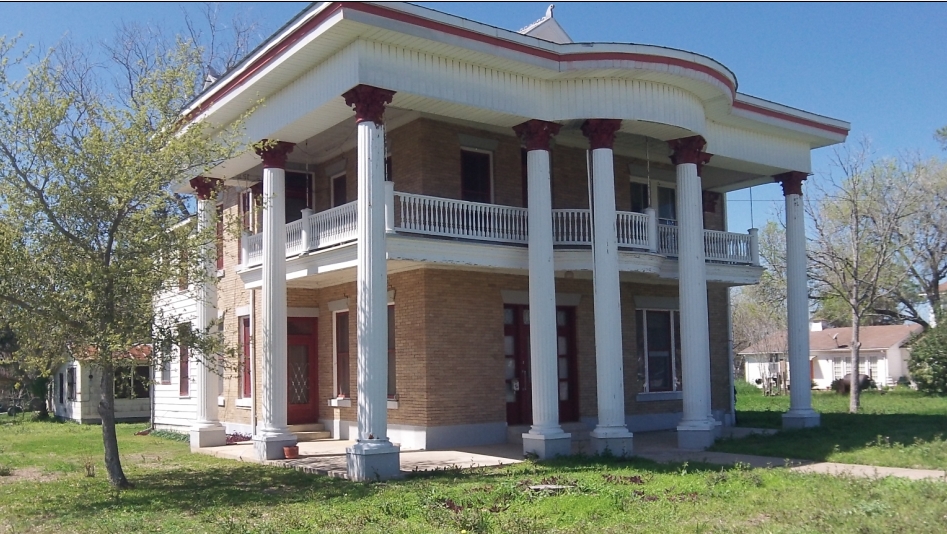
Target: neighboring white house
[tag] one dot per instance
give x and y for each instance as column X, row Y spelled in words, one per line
column 76, row 391
column 883, row 355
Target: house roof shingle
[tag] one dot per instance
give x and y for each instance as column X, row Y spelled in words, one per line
column 872, row 338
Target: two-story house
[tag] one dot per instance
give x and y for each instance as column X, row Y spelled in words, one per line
column 457, row 234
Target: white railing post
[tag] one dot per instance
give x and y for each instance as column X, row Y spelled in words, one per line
column 304, row 240
column 389, row 207
column 244, row 248
column 754, row 246
column 652, row 229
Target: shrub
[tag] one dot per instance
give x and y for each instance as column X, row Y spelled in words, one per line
column 928, row 363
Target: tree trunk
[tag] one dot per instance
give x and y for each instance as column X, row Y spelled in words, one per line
column 855, row 398
column 113, row 462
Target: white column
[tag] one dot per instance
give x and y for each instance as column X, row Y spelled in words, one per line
column 373, row 456
column 272, row 432
column 610, row 433
column 800, row 414
column 545, row 438
column 207, row 430
column 696, row 429
column 652, row 229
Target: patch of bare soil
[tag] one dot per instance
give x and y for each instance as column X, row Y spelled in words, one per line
column 29, row 474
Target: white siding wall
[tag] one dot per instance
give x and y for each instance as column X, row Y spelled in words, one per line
column 85, row 407
column 171, row 409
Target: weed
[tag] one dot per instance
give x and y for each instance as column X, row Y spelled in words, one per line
column 5, row 470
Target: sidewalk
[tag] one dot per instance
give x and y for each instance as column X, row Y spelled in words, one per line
column 327, row 457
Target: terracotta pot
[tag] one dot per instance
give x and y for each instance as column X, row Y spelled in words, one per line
column 291, row 452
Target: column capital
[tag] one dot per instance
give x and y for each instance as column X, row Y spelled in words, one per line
column 205, row 187
column 536, row 133
column 690, row 150
column 273, row 152
column 601, row 132
column 791, row 182
column 368, row 101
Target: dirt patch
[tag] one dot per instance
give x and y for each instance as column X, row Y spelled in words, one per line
column 29, row 474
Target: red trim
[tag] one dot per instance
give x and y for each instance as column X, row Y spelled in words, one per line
column 407, row 18
column 790, row 118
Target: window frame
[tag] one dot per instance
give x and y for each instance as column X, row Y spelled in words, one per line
column 332, row 191
column 184, row 369
column 341, row 388
column 676, row 386
column 490, row 181
column 71, row 384
column 392, row 353
column 245, row 375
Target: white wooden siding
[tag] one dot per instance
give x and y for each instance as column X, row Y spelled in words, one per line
column 170, row 408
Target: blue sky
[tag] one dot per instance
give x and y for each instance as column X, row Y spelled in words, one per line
column 880, row 66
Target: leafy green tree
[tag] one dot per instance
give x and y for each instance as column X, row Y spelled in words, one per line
column 928, row 363
column 854, row 223
column 90, row 224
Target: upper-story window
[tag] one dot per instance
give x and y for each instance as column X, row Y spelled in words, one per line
column 667, row 205
column 298, row 194
column 339, row 190
column 640, row 196
column 476, row 175
column 220, row 236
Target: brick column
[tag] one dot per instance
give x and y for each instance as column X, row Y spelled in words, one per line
column 697, row 427
column 545, row 438
column 800, row 414
column 272, row 433
column 373, row 456
column 610, row 433
column 207, row 430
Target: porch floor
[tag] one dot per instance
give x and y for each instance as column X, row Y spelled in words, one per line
column 327, row 457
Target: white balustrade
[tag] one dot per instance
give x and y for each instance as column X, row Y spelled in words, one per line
column 727, row 247
column 571, row 227
column 459, row 218
column 632, row 229
column 427, row 215
column 332, row 227
column 294, row 237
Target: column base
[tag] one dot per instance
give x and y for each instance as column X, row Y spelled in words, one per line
column 615, row 443
column 270, row 446
column 375, row 459
column 695, row 436
column 546, row 446
column 801, row 419
column 210, row 436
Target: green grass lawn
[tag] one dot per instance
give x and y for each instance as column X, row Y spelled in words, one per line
column 897, row 428
column 47, row 490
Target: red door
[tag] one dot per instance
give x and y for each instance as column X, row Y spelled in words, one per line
column 517, row 372
column 302, row 371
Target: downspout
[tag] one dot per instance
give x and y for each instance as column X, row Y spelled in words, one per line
column 252, row 362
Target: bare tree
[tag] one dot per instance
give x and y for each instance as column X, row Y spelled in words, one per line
column 854, row 225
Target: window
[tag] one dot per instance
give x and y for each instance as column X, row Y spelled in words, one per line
column 131, row 384
column 639, row 197
column 667, row 205
column 524, row 176
column 220, row 237
column 184, row 375
column 475, row 176
column 71, row 384
column 659, row 349
column 62, row 389
column 339, row 193
column 298, row 194
column 165, row 370
column 246, row 377
column 342, row 354
column 389, row 177
column 392, row 390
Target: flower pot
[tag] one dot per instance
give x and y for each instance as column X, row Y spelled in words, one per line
column 291, row 452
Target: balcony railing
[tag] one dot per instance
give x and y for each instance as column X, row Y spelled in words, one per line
column 425, row 215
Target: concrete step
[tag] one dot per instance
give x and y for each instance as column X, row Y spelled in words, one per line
column 312, row 436
column 309, row 427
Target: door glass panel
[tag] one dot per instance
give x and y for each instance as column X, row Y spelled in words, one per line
column 507, row 315
column 562, row 345
column 525, row 316
column 561, row 318
column 563, row 391
column 563, row 368
column 510, row 393
column 298, row 367
column 510, row 369
column 508, row 346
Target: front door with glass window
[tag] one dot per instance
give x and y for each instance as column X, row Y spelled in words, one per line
column 517, row 368
column 302, row 366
